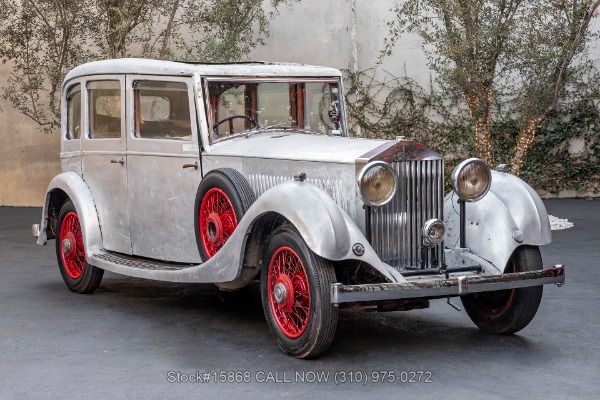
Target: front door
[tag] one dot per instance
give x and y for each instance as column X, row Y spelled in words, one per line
column 104, row 161
column 163, row 167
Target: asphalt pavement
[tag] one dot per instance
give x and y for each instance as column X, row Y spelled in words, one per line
column 141, row 339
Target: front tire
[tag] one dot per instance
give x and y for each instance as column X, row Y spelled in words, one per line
column 296, row 295
column 505, row 312
column 79, row 276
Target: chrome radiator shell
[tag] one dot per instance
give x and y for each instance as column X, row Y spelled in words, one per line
column 395, row 229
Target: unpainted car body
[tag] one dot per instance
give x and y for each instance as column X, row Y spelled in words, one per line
column 149, row 136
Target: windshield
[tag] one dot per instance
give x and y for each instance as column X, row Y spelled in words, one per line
column 252, row 106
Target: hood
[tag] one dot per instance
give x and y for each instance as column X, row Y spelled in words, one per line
column 297, row 147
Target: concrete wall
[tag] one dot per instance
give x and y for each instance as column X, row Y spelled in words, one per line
column 313, row 32
column 331, row 34
column 29, row 159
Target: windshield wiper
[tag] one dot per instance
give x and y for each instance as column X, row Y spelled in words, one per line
column 286, row 127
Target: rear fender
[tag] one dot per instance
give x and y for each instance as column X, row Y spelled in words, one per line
column 75, row 189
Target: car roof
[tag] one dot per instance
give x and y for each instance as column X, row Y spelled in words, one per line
column 159, row 67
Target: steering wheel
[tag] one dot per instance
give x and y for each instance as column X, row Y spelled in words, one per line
column 230, row 120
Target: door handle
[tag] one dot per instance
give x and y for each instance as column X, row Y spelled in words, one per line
column 194, row 165
column 121, row 161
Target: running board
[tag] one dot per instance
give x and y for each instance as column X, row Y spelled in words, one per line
column 459, row 286
column 212, row 271
column 139, row 262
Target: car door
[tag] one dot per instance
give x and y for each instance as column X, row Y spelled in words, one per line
column 163, row 167
column 104, row 161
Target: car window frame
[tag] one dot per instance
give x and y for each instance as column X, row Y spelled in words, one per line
column 161, row 145
column 71, row 147
column 207, row 107
column 91, row 145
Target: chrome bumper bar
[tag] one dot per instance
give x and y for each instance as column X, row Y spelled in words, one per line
column 445, row 287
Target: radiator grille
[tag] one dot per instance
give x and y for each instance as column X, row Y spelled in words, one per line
column 395, row 228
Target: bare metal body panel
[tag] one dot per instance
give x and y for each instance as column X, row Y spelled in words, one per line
column 326, row 228
column 136, row 200
column 161, row 192
column 78, row 191
column 510, row 206
column 169, row 68
column 291, row 146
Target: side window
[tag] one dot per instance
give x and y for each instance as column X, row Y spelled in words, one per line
column 162, row 110
column 74, row 112
column 323, row 112
column 105, row 109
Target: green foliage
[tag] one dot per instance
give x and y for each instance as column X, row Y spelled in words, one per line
column 384, row 106
column 523, row 52
column 43, row 39
column 552, row 166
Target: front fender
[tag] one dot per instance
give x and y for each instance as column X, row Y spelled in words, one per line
column 77, row 190
column 325, row 227
column 493, row 222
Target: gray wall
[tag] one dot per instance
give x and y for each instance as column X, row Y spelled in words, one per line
column 346, row 34
column 29, row 159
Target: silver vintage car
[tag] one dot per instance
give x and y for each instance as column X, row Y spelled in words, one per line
column 229, row 173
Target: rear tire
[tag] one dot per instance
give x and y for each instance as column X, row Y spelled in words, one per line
column 79, row 276
column 296, row 295
column 505, row 312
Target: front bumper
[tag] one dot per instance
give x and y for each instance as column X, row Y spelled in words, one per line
column 445, row 287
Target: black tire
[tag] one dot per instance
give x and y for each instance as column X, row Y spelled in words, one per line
column 79, row 276
column 237, row 190
column 504, row 312
column 316, row 330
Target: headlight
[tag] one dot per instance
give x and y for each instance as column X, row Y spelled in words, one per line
column 471, row 179
column 433, row 232
column 377, row 183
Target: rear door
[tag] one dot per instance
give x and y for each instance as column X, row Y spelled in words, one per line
column 163, row 167
column 104, row 161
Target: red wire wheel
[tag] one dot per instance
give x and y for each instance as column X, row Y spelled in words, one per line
column 295, row 288
column 217, row 220
column 71, row 246
column 79, row 276
column 289, row 292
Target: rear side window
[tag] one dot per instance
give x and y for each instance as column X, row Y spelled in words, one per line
column 162, row 110
column 105, row 109
column 74, row 112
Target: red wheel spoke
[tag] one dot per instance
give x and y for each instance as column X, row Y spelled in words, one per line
column 71, row 246
column 217, row 221
column 292, row 314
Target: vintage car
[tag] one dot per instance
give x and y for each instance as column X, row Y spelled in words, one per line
column 232, row 173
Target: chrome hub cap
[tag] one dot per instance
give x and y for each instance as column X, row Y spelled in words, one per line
column 279, row 293
column 66, row 246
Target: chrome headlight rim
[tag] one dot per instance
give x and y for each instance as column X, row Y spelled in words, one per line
column 360, row 177
column 456, row 173
column 428, row 240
